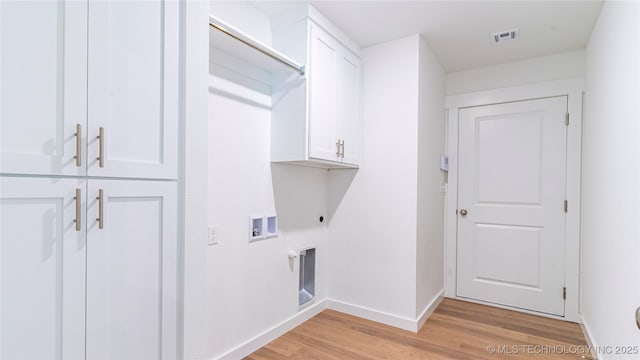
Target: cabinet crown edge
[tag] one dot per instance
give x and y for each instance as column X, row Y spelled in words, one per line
column 308, row 12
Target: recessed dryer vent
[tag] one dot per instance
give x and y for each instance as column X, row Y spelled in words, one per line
column 307, row 280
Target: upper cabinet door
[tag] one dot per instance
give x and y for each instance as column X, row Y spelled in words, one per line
column 133, row 89
column 348, row 108
column 43, row 77
column 323, row 143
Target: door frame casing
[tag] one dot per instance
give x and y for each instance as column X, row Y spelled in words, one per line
column 572, row 88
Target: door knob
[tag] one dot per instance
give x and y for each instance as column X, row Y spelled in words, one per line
column 463, row 212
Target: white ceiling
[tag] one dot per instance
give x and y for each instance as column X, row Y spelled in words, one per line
column 459, row 31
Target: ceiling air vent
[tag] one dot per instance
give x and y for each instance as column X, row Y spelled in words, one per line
column 504, row 36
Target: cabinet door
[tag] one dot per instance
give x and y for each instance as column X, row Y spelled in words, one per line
column 322, row 95
column 131, row 270
column 43, row 62
column 348, row 105
column 42, row 268
column 133, row 88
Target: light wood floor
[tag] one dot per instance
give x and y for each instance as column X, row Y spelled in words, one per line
column 456, row 330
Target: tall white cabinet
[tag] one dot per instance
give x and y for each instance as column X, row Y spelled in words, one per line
column 88, row 169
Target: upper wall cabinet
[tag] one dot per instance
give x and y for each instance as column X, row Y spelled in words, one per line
column 92, row 90
column 316, row 121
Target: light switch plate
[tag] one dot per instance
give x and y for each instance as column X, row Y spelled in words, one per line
column 212, row 238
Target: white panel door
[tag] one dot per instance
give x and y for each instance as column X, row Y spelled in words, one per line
column 512, row 176
column 322, row 95
column 133, row 88
column 348, row 105
column 131, row 270
column 42, row 268
column 43, row 91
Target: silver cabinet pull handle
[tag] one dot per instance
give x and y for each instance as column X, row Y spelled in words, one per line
column 78, row 156
column 338, row 148
column 100, row 218
column 101, row 144
column 342, row 149
column 78, row 199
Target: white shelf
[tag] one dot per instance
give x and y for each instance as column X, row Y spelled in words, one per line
column 233, row 41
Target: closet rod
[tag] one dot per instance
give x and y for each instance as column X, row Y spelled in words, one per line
column 228, row 30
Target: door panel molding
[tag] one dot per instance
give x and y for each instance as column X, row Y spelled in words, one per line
column 43, row 257
column 131, row 270
column 572, row 88
column 44, row 87
column 133, row 96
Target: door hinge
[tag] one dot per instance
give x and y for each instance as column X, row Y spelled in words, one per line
column 566, row 119
column 564, row 293
column 566, row 206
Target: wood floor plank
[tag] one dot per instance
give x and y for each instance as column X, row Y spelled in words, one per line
column 456, row 330
column 521, row 322
column 285, row 349
column 266, row 354
column 367, row 341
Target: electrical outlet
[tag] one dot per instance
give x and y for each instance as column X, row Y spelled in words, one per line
column 213, row 235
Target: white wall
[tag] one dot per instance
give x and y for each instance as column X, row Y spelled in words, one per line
column 430, row 212
column 546, row 68
column 250, row 286
column 385, row 230
column 244, row 17
column 611, row 162
column 372, row 231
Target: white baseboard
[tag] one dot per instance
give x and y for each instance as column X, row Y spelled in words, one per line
column 587, row 335
column 385, row 318
column 266, row 337
column 428, row 310
column 373, row 315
